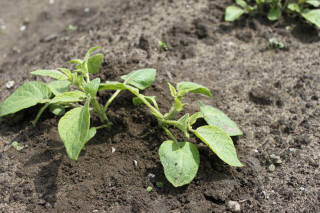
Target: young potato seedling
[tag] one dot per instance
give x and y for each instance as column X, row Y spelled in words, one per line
column 180, row 159
column 74, row 126
column 308, row 9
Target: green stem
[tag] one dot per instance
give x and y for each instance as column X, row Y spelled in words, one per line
column 104, row 126
column 167, row 131
column 34, row 123
column 111, row 99
column 98, row 109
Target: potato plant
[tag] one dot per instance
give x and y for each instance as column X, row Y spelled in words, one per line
column 73, row 89
column 180, row 159
column 76, row 92
column 273, row 9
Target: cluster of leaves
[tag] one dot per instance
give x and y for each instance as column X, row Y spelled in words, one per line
column 275, row 8
column 74, row 89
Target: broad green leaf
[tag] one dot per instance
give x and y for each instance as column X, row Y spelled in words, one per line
column 73, row 129
column 193, row 118
column 92, row 87
column 180, row 162
column 57, row 109
column 112, row 85
column 182, row 124
column 27, row 95
column 140, row 78
column 233, row 13
column 69, row 97
column 315, row 3
column 94, row 63
column 59, row 86
column 51, row 73
column 215, row 117
column 220, row 143
column 151, row 99
column 173, row 91
column 294, row 7
column 312, row 16
column 92, row 132
column 274, row 13
column 185, row 87
column 242, row 3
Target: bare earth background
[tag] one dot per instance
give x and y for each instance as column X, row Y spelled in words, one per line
column 272, row 94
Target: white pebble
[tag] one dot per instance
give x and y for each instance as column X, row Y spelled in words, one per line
column 234, row 206
column 3, row 27
column 23, row 28
column 150, row 175
column 292, row 149
column 113, row 149
column 9, row 84
column 51, row 1
column 256, row 151
column 135, row 162
column 86, row 10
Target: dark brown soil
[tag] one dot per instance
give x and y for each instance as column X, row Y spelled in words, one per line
column 272, row 94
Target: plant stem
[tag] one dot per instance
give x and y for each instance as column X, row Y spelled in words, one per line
column 111, row 99
column 170, row 134
column 34, row 123
column 98, row 109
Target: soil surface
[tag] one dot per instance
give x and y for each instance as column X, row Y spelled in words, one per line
column 272, row 94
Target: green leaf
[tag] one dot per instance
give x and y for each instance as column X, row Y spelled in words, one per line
column 274, row 13
column 27, row 95
column 73, row 129
column 185, row 87
column 112, row 85
column 59, row 86
column 215, row 117
column 180, row 162
column 94, row 63
column 141, row 79
column 313, row 16
column 173, row 91
column 92, row 132
column 182, row 124
column 242, row 3
column 233, row 13
column 76, row 61
column 315, row 3
column 193, row 118
column 220, row 143
column 67, row 72
column 57, row 109
column 92, row 87
column 294, row 7
column 69, row 97
column 51, row 73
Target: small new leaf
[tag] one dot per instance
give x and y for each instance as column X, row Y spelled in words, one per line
column 141, row 79
column 94, row 63
column 274, row 13
column 57, row 109
column 220, row 143
column 27, row 95
column 233, row 13
column 182, row 124
column 69, row 97
column 51, row 73
column 215, row 117
column 59, row 86
column 180, row 161
column 92, row 87
column 186, row 87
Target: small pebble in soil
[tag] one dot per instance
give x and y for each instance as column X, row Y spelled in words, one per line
column 234, row 206
column 292, row 149
column 113, row 149
column 10, row 84
column 151, row 175
column 135, row 163
column 51, row 1
column 271, row 168
column 23, row 28
column 86, row 10
column 276, row 159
